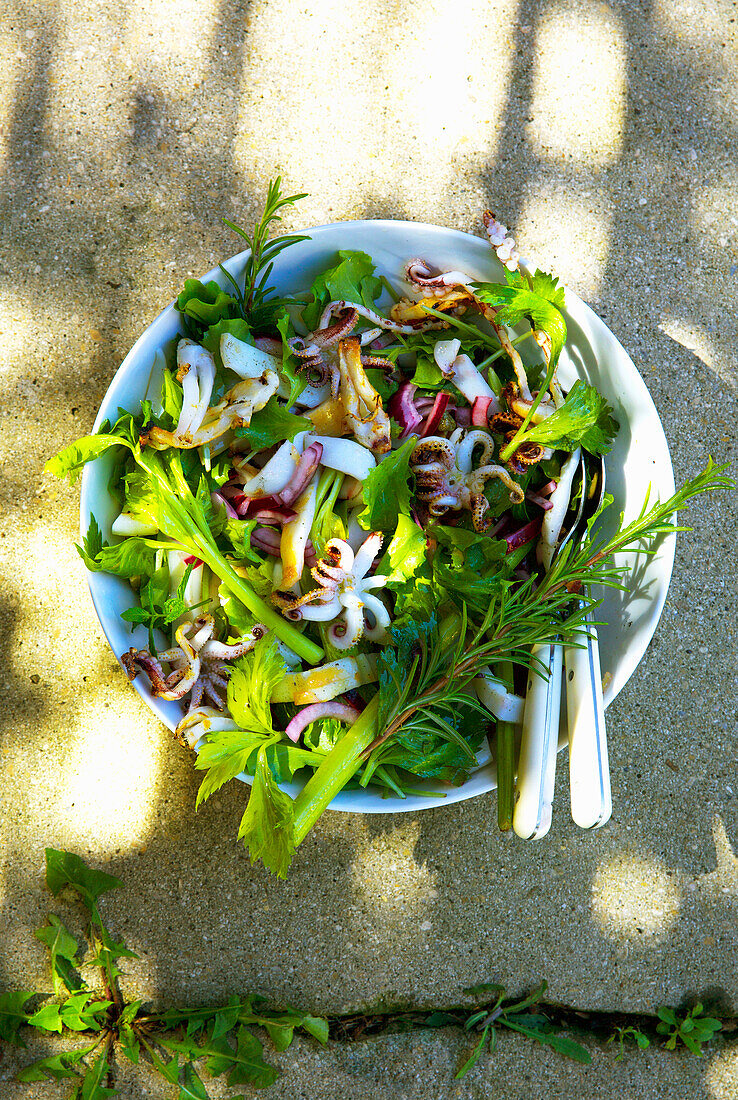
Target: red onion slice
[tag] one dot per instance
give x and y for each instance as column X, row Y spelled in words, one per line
column 264, row 538
column 523, row 534
column 273, row 515
column 401, row 407
column 268, row 540
column 541, row 501
column 436, row 414
column 218, row 498
column 269, row 344
column 306, row 467
column 479, row 411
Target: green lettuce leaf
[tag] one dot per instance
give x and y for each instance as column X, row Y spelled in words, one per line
column 234, row 326
column 406, row 553
column 428, row 376
column 206, row 303
column 352, row 279
column 387, row 492
column 272, row 424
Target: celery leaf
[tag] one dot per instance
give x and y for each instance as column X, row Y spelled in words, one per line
column 540, row 305
column 585, row 419
column 267, row 826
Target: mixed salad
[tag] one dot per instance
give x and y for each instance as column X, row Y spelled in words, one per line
column 339, row 512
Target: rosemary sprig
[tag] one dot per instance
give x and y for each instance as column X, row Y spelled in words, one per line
column 536, row 612
column 257, row 305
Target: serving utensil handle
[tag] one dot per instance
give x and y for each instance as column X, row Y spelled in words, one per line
column 539, row 743
column 589, row 770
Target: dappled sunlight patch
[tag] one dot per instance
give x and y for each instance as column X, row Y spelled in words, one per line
column 694, row 22
column 107, row 781
column 573, row 234
column 721, row 1075
column 635, row 898
column 47, row 564
column 282, row 122
column 387, row 877
column 694, row 337
column 448, row 88
column 443, row 69
column 171, row 40
column 579, row 85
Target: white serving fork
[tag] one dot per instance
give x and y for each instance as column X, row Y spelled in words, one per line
column 539, row 741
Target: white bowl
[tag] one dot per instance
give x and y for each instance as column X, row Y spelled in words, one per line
column 639, row 460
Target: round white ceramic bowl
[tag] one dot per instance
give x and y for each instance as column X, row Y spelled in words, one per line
column 638, row 462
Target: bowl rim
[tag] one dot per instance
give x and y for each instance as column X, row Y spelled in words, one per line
column 484, row 778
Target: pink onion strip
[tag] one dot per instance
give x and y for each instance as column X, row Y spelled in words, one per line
column 268, row 540
column 274, row 515
column 401, row 407
column 218, row 498
column 269, row 344
column 523, row 534
column 263, row 538
column 479, row 411
column 344, row 712
column 192, row 560
column 306, row 467
column 436, row 414
column 542, row 502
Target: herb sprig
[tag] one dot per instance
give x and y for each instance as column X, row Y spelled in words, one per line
column 258, row 305
column 534, row 613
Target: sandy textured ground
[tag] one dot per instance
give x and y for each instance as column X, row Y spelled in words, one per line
column 605, row 135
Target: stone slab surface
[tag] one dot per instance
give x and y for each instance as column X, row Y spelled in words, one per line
column 421, row 1066
column 604, row 134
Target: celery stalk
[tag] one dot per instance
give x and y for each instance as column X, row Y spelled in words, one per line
column 334, row 773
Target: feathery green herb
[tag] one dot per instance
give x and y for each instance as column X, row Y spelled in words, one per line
column 258, row 305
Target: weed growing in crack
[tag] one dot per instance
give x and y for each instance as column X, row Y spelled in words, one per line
column 179, row 1042
column 172, row 1041
column 694, row 1029
column 515, row 1016
column 620, row 1035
